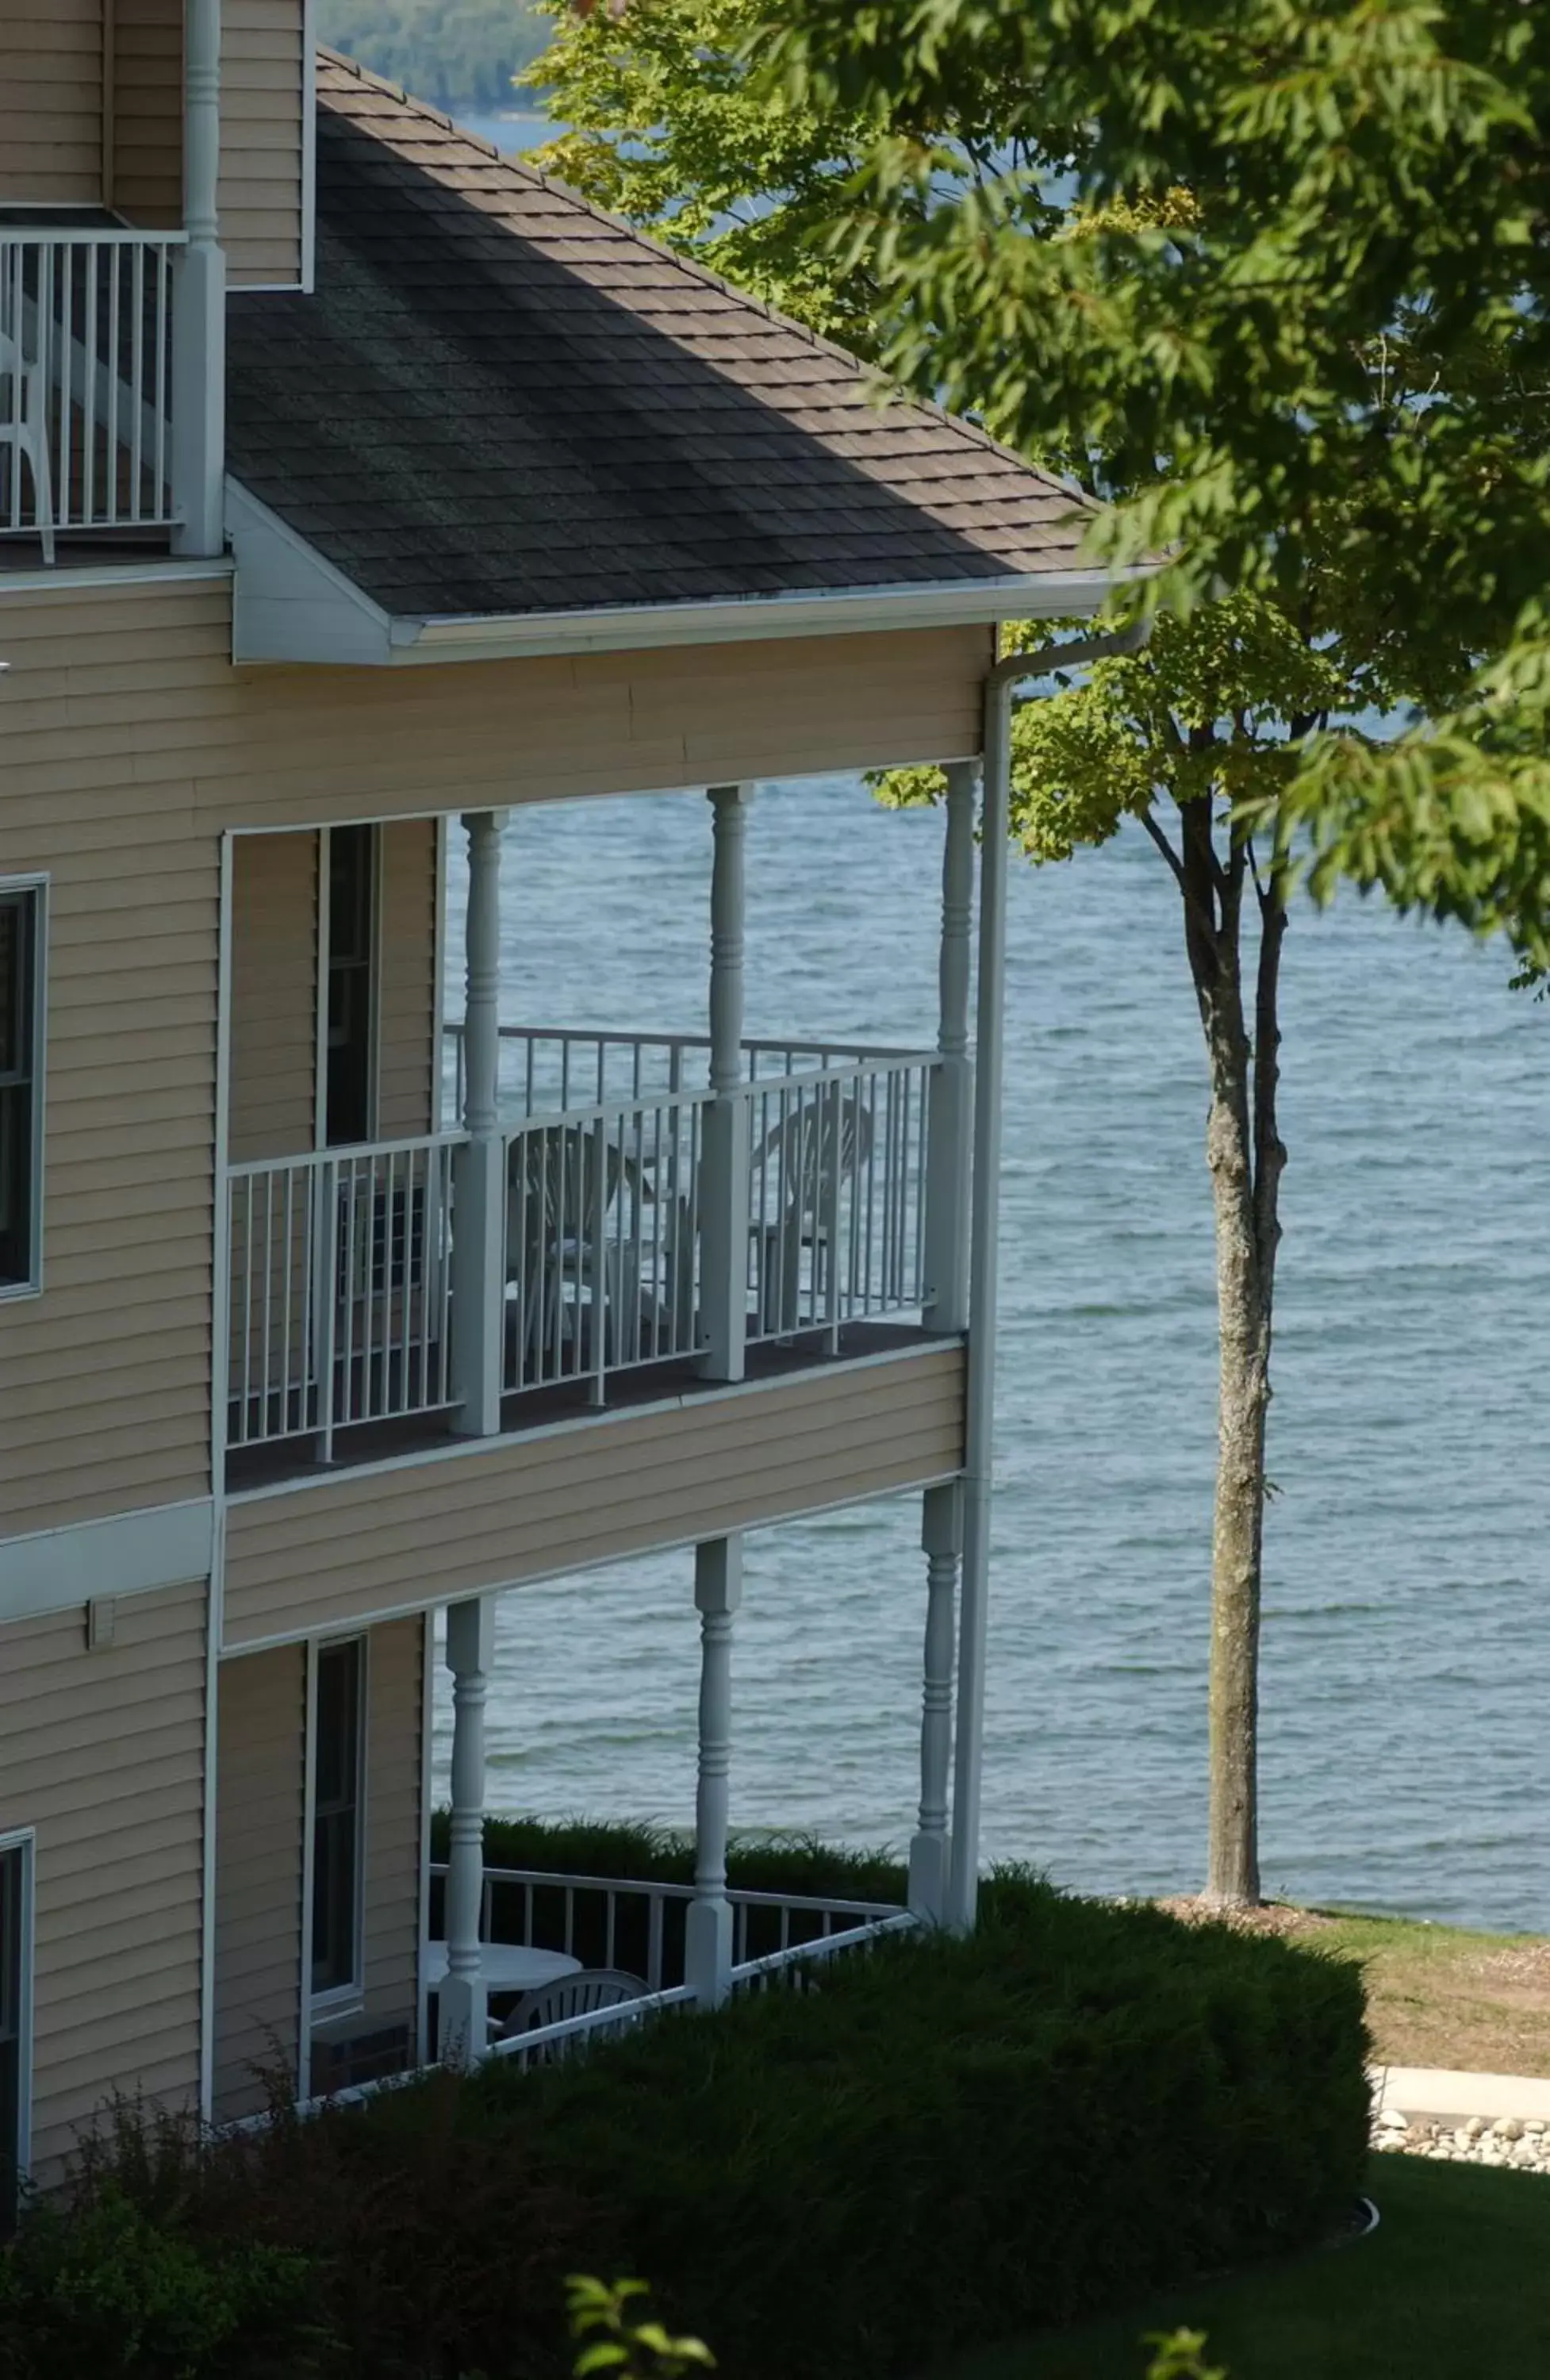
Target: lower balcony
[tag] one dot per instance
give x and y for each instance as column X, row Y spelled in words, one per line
column 625, row 1231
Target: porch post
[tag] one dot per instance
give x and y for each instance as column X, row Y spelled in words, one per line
column 941, row 1538
column 198, row 301
column 717, row 1592
column 948, row 1135
column 464, row 1995
column 724, row 1172
column 479, row 1186
column 985, row 1224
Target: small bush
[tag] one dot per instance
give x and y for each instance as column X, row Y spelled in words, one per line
column 108, row 2290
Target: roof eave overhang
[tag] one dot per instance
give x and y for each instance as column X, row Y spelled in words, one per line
column 1041, row 595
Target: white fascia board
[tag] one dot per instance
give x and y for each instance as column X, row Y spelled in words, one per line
column 288, row 602
column 71, row 579
column 1041, row 595
column 132, row 1553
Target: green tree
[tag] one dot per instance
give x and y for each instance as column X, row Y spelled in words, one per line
column 981, row 195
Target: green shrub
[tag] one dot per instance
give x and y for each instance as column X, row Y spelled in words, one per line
column 952, row 2140
column 107, row 2289
column 938, row 2145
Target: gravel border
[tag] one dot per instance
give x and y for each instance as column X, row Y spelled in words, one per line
column 1519, row 2144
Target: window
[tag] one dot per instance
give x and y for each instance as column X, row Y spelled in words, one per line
column 20, row 1085
column 337, row 1745
column 14, row 1965
column 352, row 987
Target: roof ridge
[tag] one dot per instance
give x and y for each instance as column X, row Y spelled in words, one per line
column 970, row 431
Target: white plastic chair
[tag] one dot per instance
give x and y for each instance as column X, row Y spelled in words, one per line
column 25, row 427
column 595, row 1987
column 808, row 1154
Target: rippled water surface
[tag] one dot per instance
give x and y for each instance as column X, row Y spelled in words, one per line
column 1407, row 1646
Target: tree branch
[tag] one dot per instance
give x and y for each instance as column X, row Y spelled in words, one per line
column 1155, row 831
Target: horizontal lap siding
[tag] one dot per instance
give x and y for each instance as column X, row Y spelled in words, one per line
column 407, row 1000
column 51, row 103
column 148, row 112
column 107, row 1373
column 275, row 969
column 102, row 1753
column 258, row 1808
column 259, row 199
column 329, row 1555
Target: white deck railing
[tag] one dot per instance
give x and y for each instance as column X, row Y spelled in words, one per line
column 616, row 1918
column 342, row 1308
column 85, row 380
column 341, row 1298
column 547, row 1068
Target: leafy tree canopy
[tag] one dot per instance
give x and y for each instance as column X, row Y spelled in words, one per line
column 1272, row 273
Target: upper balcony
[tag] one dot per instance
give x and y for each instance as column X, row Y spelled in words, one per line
column 86, row 373
column 367, row 1293
column 599, row 1220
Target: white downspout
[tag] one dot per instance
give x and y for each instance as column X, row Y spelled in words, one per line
column 199, row 319
column 985, row 1224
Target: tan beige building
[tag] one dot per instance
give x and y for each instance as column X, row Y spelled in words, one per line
column 357, row 488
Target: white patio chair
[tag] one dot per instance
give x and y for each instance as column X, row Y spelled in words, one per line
column 823, row 1143
column 594, row 1988
column 558, row 1202
column 24, row 422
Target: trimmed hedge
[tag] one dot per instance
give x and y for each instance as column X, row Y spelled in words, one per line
column 945, row 2142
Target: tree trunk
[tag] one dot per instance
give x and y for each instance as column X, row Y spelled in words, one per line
column 1245, row 1158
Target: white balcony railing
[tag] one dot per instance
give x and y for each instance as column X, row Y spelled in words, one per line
column 85, row 381
column 547, row 1068
column 341, row 1290
column 344, row 1308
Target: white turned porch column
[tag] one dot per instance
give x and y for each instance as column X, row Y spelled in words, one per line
column 707, row 1947
column 198, row 301
column 941, row 1538
column 948, row 1131
column 463, row 1996
column 724, row 1170
column 478, row 1250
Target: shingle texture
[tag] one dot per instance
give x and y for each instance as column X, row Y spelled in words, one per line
column 501, row 400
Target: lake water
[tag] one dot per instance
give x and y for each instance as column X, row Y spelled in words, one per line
column 1407, row 1643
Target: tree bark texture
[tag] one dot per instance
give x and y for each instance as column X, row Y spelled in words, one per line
column 1245, row 1158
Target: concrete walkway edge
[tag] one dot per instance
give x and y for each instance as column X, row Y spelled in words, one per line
column 1440, row 2091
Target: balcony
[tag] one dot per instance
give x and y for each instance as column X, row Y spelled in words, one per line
column 369, row 1295
column 86, row 368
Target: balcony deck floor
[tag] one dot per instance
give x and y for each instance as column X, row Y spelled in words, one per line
column 292, row 1460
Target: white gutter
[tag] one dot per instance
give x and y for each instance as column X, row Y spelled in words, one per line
column 623, row 627
column 985, row 1224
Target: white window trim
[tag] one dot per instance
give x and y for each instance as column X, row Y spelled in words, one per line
column 347, row 1998
column 24, row 1839
column 39, row 886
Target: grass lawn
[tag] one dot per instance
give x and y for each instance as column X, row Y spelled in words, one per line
column 1439, row 1997
column 1436, row 1995
column 1453, row 2285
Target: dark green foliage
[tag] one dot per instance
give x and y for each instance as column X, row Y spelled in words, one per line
column 460, row 55
column 942, row 2143
column 955, row 2138
column 109, row 2289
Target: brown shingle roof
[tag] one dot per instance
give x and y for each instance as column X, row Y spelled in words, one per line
column 501, row 400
